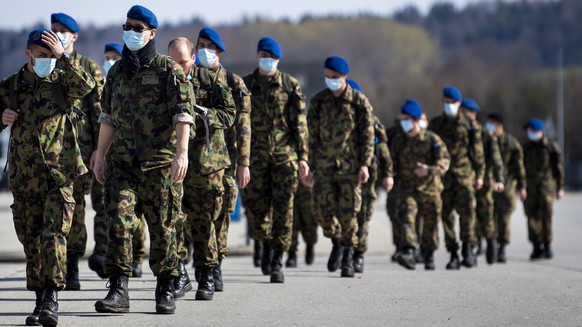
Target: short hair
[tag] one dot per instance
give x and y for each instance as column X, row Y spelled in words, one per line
column 182, row 40
column 496, row 117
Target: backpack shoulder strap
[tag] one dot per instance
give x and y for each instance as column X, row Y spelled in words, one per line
column 14, row 91
column 230, row 80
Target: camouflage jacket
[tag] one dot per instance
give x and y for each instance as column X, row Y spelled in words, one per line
column 215, row 104
column 341, row 131
column 427, row 148
column 144, row 110
column 392, row 133
column 88, row 109
column 43, row 139
column 512, row 155
column 382, row 162
column 543, row 165
column 238, row 137
column 278, row 123
column 493, row 160
column 464, row 144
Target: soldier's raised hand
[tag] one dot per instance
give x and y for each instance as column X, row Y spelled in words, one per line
column 9, row 116
column 52, row 40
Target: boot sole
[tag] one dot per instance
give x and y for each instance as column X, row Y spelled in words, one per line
column 102, row 309
column 277, row 279
column 48, row 320
column 203, row 296
column 165, row 311
column 30, row 321
column 405, row 264
column 187, row 288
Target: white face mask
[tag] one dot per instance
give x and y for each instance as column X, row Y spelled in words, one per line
column 207, row 57
column 407, row 125
column 534, row 136
column 64, row 40
column 268, row 64
column 134, row 40
column 44, row 66
column 107, row 65
column 333, row 84
column 423, row 123
column 451, row 109
column 491, row 128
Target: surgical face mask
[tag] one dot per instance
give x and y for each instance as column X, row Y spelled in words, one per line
column 134, row 40
column 207, row 57
column 451, row 109
column 107, row 65
column 407, row 125
column 268, row 64
column 491, row 127
column 533, row 136
column 333, row 84
column 66, row 41
column 44, row 66
column 423, row 124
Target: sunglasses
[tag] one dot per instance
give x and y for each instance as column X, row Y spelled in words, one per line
column 137, row 29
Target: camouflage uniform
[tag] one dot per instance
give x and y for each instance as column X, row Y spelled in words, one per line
column 463, row 140
column 204, row 183
column 544, row 176
column 303, row 219
column 279, row 140
column 381, row 168
column 341, row 140
column 143, row 109
column 44, row 160
column 420, row 196
column 392, row 198
column 504, row 202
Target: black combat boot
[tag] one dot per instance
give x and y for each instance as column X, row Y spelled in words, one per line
column 548, row 253
column 32, row 320
column 136, row 270
column 206, row 285
column 334, row 261
column 348, row 263
column 454, row 263
column 469, row 259
column 72, row 278
column 117, row 300
column 394, row 257
column 165, row 303
column 358, row 261
column 501, row 253
column 217, row 273
column 277, row 267
column 258, row 253
column 309, row 255
column 537, row 252
column 48, row 311
column 291, row 260
column 419, row 254
column 266, row 258
column 406, row 258
column 97, row 264
column 491, row 251
column 182, row 283
column 429, row 260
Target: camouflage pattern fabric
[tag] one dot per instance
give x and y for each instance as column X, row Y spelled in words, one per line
column 303, row 220
column 392, row 198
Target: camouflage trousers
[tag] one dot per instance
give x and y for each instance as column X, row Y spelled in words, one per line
column 539, row 209
column 223, row 222
column 131, row 193
column 460, row 197
column 424, row 209
column 77, row 238
column 303, row 220
column 337, row 199
column 392, row 210
column 272, row 187
column 203, row 201
column 100, row 226
column 365, row 215
column 504, row 205
column 42, row 220
column 485, row 224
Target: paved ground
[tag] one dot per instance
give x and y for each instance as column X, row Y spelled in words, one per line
column 519, row 293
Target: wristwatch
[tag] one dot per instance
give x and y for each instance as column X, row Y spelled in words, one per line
column 65, row 57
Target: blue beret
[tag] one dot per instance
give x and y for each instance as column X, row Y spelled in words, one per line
column 470, row 104
column 535, row 124
column 452, row 93
column 114, row 47
column 66, row 20
column 337, row 64
column 34, row 38
column 354, row 85
column 412, row 108
column 270, row 45
column 143, row 14
column 212, row 35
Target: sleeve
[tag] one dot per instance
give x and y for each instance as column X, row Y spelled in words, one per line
column 313, row 127
column 77, row 82
column 105, row 101
column 517, row 165
column 366, row 126
column 385, row 167
column 497, row 160
column 243, row 122
column 4, row 98
column 94, row 100
column 442, row 159
column 180, row 96
column 298, row 122
column 478, row 154
column 557, row 166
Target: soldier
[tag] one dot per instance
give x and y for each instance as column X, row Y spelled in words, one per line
column 97, row 259
column 278, row 153
column 464, row 177
column 341, row 142
column 209, row 157
column 85, row 115
column 145, row 124
column 304, row 222
column 420, row 160
column 44, row 161
column 392, row 198
column 514, row 177
column 545, row 180
column 485, row 224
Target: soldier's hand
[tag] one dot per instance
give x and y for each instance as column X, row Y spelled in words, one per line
column 179, row 166
column 388, row 183
column 9, row 116
column 303, row 169
column 52, row 40
column 99, row 169
column 92, row 161
column 478, row 184
column 560, row 194
column 308, row 180
column 499, row 187
column 522, row 194
column 363, row 175
column 421, row 170
column 243, row 176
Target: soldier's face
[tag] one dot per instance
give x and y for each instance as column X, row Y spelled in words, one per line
column 207, row 44
column 60, row 28
column 35, row 51
column 264, row 54
column 451, row 101
column 181, row 54
column 470, row 113
column 111, row 55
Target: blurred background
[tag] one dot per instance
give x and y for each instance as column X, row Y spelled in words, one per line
column 521, row 58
